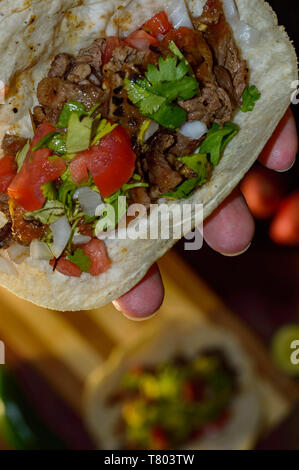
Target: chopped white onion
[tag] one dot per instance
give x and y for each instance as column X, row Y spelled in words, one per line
column 230, row 10
column 247, row 34
column 18, row 253
column 81, row 239
column 88, row 199
column 178, row 14
column 40, row 250
column 152, row 128
column 7, row 267
column 61, row 230
column 194, row 129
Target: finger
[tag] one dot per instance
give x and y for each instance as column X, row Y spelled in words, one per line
column 230, row 229
column 280, row 152
column 144, row 299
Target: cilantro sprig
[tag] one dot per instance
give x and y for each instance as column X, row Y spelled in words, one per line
column 250, row 96
column 164, row 84
column 80, row 259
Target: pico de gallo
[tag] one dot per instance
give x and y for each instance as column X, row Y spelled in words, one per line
column 142, row 118
column 172, row 404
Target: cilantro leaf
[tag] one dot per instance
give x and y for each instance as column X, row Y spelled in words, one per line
column 217, row 139
column 69, row 108
column 20, row 158
column 146, row 100
column 78, row 134
column 250, row 96
column 184, row 190
column 81, row 259
column 197, row 163
column 48, row 214
column 180, row 89
column 168, row 70
column 170, row 116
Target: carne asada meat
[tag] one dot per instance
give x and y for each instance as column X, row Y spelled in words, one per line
column 12, row 144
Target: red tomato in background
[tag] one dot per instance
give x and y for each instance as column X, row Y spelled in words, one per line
column 112, row 43
column 111, row 162
column 37, row 170
column 141, row 40
column 66, row 267
column 284, row 228
column 263, row 190
column 96, row 250
column 159, row 439
column 158, row 24
column 8, row 170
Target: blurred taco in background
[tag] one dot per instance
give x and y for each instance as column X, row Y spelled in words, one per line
column 142, row 102
column 187, row 385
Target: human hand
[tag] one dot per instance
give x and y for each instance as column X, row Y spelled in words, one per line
column 229, row 230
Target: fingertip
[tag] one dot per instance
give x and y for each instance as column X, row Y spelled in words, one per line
column 144, row 300
column 230, row 229
column 280, row 152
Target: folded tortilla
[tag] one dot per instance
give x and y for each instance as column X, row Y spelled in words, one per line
column 33, row 32
column 177, row 338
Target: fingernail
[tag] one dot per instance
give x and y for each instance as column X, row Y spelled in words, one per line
column 232, row 255
column 287, row 169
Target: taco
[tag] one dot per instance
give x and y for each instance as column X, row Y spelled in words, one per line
column 137, row 102
column 187, row 386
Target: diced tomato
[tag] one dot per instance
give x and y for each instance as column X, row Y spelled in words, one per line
column 37, row 170
column 111, row 162
column 159, row 439
column 141, row 40
column 78, row 169
column 158, row 24
column 66, row 267
column 8, row 170
column 97, row 252
column 111, row 43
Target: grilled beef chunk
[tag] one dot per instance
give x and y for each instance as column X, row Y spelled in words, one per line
column 45, row 114
column 160, row 173
column 220, row 39
column 60, row 66
column 79, row 73
column 12, row 144
column 92, row 55
column 6, row 237
column 184, row 146
column 139, row 196
column 213, row 105
column 54, row 92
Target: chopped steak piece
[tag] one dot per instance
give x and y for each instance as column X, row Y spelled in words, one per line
column 79, row 73
column 92, row 55
column 213, row 105
column 54, row 92
column 224, row 80
column 12, row 144
column 220, row 38
column 44, row 113
column 60, row 66
column 126, row 55
column 184, row 146
column 160, row 171
column 6, row 237
column 4, row 198
column 139, row 196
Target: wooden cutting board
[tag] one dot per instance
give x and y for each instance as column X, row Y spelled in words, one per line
column 65, row 348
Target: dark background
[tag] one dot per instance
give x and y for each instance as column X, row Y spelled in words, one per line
column 261, row 286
